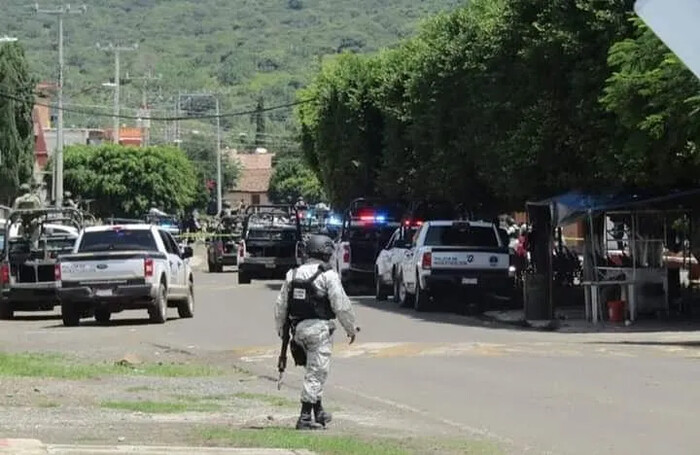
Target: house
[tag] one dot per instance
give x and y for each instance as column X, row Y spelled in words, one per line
column 254, row 180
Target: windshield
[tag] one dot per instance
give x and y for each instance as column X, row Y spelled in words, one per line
column 474, row 236
column 380, row 234
column 118, row 240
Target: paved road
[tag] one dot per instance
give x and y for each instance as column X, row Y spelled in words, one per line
column 574, row 393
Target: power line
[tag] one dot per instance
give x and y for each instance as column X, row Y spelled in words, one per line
column 162, row 119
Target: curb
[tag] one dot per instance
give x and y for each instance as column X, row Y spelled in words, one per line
column 36, row 447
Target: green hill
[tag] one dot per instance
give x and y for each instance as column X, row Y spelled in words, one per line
column 242, row 49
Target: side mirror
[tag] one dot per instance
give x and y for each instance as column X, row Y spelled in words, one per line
column 187, row 252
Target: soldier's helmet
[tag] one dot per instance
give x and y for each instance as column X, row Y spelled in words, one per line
column 319, row 247
column 25, row 188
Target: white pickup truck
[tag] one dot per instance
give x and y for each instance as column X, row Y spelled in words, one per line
column 456, row 259
column 116, row 268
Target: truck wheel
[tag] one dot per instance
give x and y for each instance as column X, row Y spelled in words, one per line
column 102, row 315
column 219, row 268
column 158, row 313
column 70, row 315
column 6, row 311
column 185, row 309
column 243, row 277
column 405, row 298
column 421, row 302
column 380, row 293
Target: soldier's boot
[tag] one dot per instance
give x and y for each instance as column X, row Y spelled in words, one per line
column 306, row 421
column 320, row 415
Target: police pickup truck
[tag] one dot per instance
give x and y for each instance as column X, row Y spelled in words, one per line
column 116, row 268
column 271, row 244
column 457, row 259
column 367, row 227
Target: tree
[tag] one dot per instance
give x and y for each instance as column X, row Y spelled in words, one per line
column 655, row 100
column 259, row 118
column 16, row 126
column 201, row 150
column 127, row 181
column 490, row 105
column 291, row 178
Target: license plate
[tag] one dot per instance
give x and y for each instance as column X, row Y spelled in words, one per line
column 270, row 266
column 470, row 281
column 103, row 292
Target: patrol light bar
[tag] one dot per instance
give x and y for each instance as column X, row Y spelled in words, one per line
column 371, row 217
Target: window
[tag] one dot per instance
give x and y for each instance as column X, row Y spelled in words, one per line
column 474, row 236
column 118, row 240
column 170, row 245
column 392, row 241
column 255, row 199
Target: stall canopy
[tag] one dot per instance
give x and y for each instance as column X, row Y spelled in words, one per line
column 570, row 207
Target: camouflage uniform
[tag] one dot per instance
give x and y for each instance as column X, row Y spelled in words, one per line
column 315, row 335
column 27, row 200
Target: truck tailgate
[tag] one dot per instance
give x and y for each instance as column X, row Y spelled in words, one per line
column 463, row 258
column 116, row 266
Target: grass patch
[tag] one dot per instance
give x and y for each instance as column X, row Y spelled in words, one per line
column 60, row 367
column 327, row 443
column 160, row 407
column 139, row 388
column 279, row 402
column 319, row 442
column 49, row 405
column 197, row 398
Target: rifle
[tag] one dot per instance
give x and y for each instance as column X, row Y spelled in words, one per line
column 282, row 360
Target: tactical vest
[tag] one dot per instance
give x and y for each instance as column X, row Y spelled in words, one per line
column 305, row 301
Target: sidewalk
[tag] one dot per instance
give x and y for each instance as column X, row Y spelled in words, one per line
column 36, row 447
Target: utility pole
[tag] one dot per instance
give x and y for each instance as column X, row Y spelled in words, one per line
column 58, row 155
column 117, row 84
column 145, row 115
column 219, row 179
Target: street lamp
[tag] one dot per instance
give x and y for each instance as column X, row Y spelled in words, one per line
column 7, row 39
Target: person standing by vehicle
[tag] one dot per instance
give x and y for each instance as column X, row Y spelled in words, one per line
column 311, row 297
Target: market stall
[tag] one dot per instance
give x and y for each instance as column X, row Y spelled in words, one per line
column 629, row 242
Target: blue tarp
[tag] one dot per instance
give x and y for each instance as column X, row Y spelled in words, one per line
column 570, row 207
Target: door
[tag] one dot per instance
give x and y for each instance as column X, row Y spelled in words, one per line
column 384, row 259
column 175, row 263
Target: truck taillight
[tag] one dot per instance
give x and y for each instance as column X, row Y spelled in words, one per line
column 427, row 260
column 346, row 254
column 57, row 272
column 148, row 267
column 5, row 273
column 241, row 250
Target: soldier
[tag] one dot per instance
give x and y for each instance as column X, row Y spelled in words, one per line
column 68, row 200
column 311, row 297
column 226, row 209
column 26, row 200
